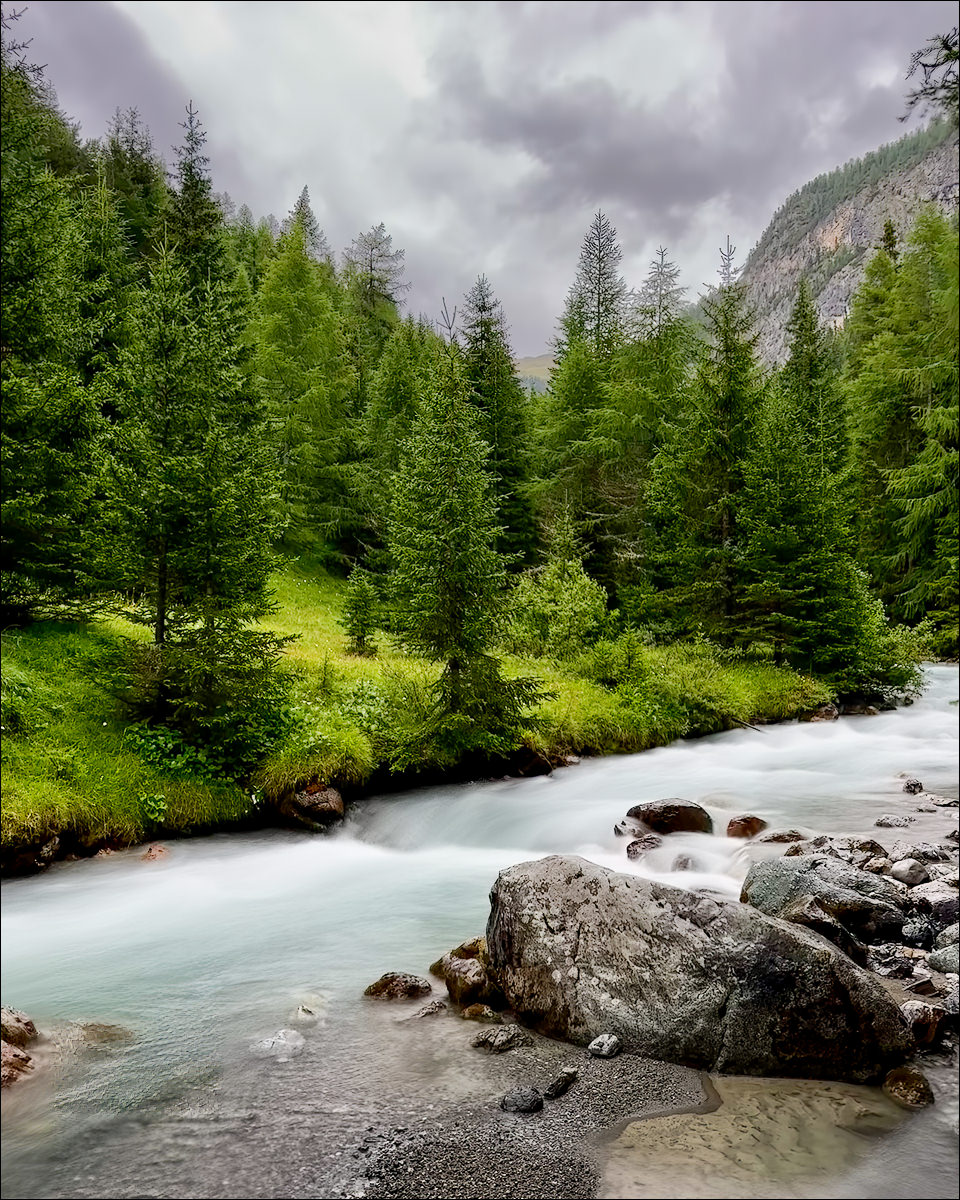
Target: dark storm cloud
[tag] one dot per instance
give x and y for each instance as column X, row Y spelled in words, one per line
column 684, row 121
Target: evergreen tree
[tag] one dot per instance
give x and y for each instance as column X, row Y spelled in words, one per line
column 253, row 246
column 448, row 576
column 51, row 426
column 809, row 377
column 135, row 175
column 595, row 302
column 318, row 248
column 495, row 390
column 106, row 278
column 196, row 220
column 300, row 361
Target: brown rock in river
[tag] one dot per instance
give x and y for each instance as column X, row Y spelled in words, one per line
column 152, row 853
column 908, row 1087
column 14, row 1063
column 672, row 815
column 314, row 808
column 747, row 826
column 17, row 1028
column 397, row 985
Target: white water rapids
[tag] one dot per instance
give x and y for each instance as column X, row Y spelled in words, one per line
column 203, row 951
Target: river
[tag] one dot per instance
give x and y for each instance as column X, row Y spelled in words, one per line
column 201, row 953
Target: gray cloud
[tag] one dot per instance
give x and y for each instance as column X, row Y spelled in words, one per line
column 485, row 134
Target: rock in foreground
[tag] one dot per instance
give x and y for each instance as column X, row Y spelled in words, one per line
column 18, row 1032
column 684, row 978
column 397, row 985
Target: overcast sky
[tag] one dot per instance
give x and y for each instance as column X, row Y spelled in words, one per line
column 486, row 134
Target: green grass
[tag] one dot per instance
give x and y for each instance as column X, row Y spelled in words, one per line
column 68, row 769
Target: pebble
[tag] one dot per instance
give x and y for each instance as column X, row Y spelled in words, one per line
column 605, row 1046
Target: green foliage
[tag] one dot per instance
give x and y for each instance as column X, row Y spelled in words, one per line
column 594, row 308
column 360, row 612
column 556, row 609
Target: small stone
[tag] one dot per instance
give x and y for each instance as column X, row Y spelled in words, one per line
column 683, row 862
column 429, row 1010
column 910, row 871
column 305, row 1015
column 605, row 1046
column 879, row 865
column 940, row 801
column 284, row 1045
column 923, row 1019
column 908, row 1087
column 522, row 1100
column 397, row 985
column 639, row 846
column 782, row 835
column 892, row 821
column 746, row 826
column 152, row 853
column 562, row 1083
column 481, row 1012
column 946, row 961
column 497, row 1039
column 912, row 786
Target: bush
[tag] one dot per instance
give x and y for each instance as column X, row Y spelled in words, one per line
column 360, row 611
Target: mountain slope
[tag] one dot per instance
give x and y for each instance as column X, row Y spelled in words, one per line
column 826, row 230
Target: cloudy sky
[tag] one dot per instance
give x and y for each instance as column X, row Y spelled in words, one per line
column 486, row 134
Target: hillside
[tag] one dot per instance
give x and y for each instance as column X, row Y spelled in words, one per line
column 825, row 231
column 535, row 371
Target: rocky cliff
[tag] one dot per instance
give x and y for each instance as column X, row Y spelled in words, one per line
column 826, row 231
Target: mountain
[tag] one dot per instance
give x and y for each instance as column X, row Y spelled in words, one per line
column 535, row 372
column 826, row 231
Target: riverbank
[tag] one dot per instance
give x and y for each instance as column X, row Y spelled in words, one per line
column 76, row 782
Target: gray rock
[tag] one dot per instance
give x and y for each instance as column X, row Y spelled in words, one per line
column 522, row 1100
column 946, row 961
column 397, row 985
column 284, row 1045
column 891, row 821
column 466, row 976
column 938, row 899
column 672, row 815
column 807, row 910
column 923, row 1019
column 908, row 1087
column 561, row 1084
column 777, row 836
column 498, row 1039
column 912, row 786
column 948, row 937
column 683, row 862
column 826, row 712
column 878, row 865
column 605, row 1046
column 919, row 932
column 940, row 801
column 684, row 978
column 867, row 905
column 433, row 1009
column 924, row 851
column 910, row 871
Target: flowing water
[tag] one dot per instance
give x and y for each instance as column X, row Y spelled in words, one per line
column 200, row 953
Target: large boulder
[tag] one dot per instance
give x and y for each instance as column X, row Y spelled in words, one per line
column 579, row 950
column 868, row 905
column 672, row 816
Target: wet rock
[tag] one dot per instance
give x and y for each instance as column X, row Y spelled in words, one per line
column 946, row 961
column 464, row 972
column 672, row 815
column 500, row 1038
column 922, row 851
column 807, row 910
column 17, row 1028
column 433, row 1009
column 747, row 995
column 919, row 932
column 640, row 846
column 938, row 899
column 892, row 821
column 305, row 1016
column 923, row 1020
column 869, row 906
column 825, row 712
column 628, row 829
column 397, row 985
column 152, row 853
column 859, row 708
column 561, row 1084
column 910, row 871
column 315, row 807
column 529, row 764
column 782, row 836
column 283, row 1046
column 522, row 1100
column 908, row 1087
column 948, row 937
column 483, row 1013
column 605, row 1046
column 14, row 1064
column 940, row 801
column 912, row 786
column 746, row 826
column 684, row 862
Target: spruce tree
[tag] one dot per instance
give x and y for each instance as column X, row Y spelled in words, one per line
column 595, row 303
column 317, row 246
column 195, row 222
column 809, row 376
column 495, row 390
column 134, row 173
column 448, row 577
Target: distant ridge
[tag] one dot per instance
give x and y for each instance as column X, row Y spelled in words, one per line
column 827, row 229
